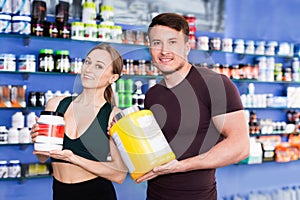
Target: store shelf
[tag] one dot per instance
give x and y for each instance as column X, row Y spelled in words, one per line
column 270, row 108
column 271, row 134
column 23, row 179
column 16, row 144
column 22, row 146
column 37, row 73
column 267, row 163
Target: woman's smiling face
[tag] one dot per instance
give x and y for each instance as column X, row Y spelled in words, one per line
column 97, row 69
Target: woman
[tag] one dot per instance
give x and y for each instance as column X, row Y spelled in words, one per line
column 82, row 169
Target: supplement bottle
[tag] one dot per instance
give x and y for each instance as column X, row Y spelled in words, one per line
column 14, row 169
column 39, row 11
column 77, row 30
column 62, row 61
column 3, row 169
column 3, row 135
column 89, row 13
column 46, row 60
column 51, row 131
column 21, row 7
column 62, row 12
column 27, row 63
column 21, row 25
column 13, row 136
column 107, row 15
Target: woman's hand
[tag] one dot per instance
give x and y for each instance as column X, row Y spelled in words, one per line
column 34, row 131
column 65, row 154
column 113, row 121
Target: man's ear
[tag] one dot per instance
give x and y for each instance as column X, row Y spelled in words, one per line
column 187, row 48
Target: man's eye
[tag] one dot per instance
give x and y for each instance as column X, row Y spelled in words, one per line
column 156, row 43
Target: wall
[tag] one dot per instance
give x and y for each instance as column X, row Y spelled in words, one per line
column 263, row 20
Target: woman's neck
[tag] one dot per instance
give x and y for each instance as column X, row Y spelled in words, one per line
column 91, row 97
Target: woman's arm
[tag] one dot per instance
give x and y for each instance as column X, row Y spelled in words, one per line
column 113, row 170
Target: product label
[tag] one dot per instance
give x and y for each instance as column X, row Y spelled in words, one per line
column 123, row 152
column 3, row 137
column 21, row 28
column 51, row 130
column 14, row 171
column 3, row 171
column 153, row 133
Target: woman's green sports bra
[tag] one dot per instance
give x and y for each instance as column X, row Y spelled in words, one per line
column 93, row 144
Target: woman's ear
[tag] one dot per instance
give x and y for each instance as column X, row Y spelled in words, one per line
column 114, row 78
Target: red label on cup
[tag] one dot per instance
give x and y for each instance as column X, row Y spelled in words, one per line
column 51, row 130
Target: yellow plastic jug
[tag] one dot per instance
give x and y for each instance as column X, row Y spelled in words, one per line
column 141, row 142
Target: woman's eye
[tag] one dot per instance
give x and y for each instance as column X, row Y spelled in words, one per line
column 99, row 66
column 87, row 62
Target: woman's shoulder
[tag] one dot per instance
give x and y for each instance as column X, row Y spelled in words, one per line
column 53, row 103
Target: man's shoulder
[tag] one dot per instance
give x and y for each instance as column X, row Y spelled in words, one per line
column 205, row 71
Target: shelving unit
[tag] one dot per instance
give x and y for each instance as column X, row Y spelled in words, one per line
column 41, row 81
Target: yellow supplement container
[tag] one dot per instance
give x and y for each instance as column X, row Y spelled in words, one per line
column 141, row 142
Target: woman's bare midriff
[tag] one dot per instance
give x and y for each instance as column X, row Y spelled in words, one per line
column 69, row 173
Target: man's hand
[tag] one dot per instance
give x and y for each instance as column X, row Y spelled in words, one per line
column 168, row 168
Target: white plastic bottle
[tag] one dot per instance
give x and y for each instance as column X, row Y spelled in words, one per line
column 24, row 135
column 13, row 136
column 89, row 13
column 3, row 135
column 30, row 119
column 18, row 120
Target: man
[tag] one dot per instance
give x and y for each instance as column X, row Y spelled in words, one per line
column 199, row 112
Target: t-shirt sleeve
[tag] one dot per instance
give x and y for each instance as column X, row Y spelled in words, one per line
column 225, row 97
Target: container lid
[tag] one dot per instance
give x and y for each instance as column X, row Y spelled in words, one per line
column 21, row 18
column 117, row 27
column 107, row 8
column 239, row 41
column 52, row 113
column 91, row 25
column 3, row 129
column 126, row 111
column 62, row 52
column 5, row 17
column 104, row 26
column 14, row 162
column 89, row 5
column 27, row 56
column 77, row 24
column 3, row 162
column 47, row 51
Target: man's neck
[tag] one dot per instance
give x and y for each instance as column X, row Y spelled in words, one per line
column 177, row 77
